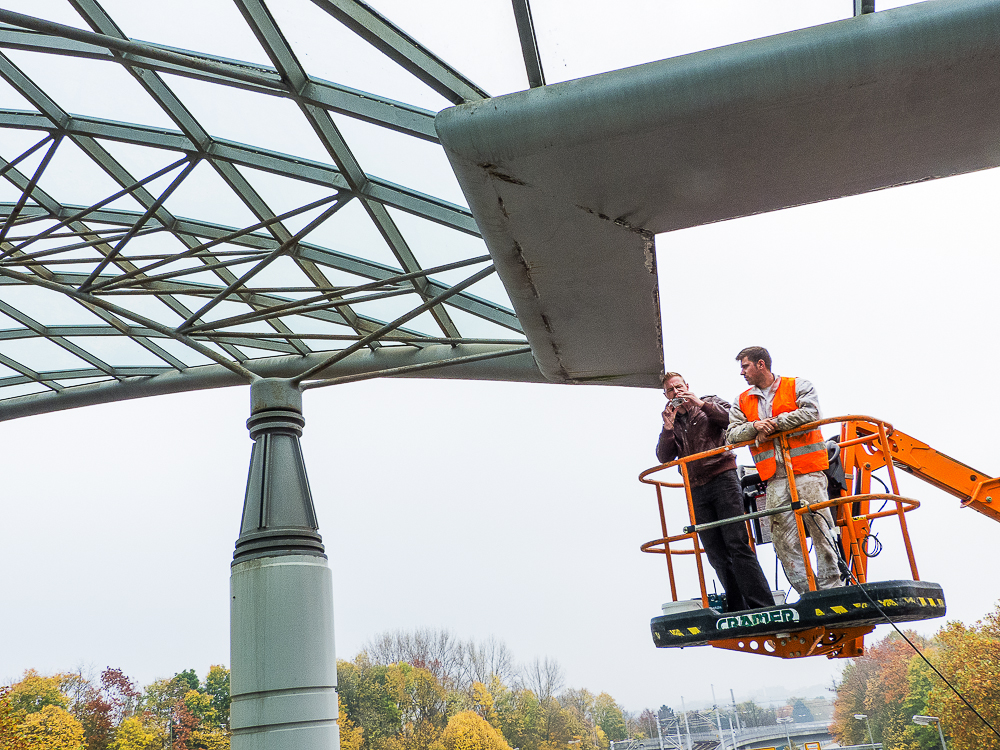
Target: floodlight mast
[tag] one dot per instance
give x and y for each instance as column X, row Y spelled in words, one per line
column 283, row 663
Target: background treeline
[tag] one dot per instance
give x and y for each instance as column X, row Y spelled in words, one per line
column 422, row 690
column 419, row 690
column 891, row 684
column 73, row 711
column 427, row 690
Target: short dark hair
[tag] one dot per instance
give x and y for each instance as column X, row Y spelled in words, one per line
column 755, row 354
column 668, row 375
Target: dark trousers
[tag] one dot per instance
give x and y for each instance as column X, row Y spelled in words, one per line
column 727, row 547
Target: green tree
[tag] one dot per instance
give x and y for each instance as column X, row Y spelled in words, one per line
column 519, row 714
column 609, row 717
column 371, row 699
column 189, row 677
column 217, row 686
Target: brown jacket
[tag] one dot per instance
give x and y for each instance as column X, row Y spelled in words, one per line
column 700, row 429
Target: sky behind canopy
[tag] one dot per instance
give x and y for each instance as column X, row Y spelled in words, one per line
column 503, row 509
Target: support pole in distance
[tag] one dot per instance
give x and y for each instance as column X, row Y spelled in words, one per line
column 284, row 669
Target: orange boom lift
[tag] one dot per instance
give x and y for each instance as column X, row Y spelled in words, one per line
column 832, row 622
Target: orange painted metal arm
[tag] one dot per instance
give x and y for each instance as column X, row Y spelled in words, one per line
column 974, row 488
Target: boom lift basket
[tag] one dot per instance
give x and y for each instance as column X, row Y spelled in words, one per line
column 831, row 622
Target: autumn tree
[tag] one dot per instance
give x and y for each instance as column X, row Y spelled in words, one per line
column 876, row 684
column 182, row 726
column 468, row 731
column 10, row 737
column 34, row 692
column 133, row 734
column 484, row 704
column 52, row 728
column 891, row 684
column 183, row 714
column 101, row 708
column 351, row 735
column 969, row 656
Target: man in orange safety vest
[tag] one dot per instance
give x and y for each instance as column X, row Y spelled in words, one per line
column 775, row 404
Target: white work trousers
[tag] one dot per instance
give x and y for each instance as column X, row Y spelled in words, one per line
column 784, row 531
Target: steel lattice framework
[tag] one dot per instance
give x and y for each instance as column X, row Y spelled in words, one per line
column 192, row 303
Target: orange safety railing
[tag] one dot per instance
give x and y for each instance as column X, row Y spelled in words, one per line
column 862, row 442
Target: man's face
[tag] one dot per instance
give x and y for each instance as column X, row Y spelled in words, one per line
column 673, row 386
column 753, row 372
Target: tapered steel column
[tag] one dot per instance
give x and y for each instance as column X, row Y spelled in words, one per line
column 284, row 670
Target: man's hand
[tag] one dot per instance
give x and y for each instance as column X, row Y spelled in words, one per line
column 689, row 399
column 669, row 413
column 766, row 426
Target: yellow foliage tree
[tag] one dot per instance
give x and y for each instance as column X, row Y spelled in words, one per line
column 351, row 736
column 469, row 731
column 132, row 734
column 483, row 704
column 52, row 728
column 10, row 738
column 213, row 738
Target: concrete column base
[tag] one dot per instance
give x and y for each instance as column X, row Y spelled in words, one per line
column 284, row 668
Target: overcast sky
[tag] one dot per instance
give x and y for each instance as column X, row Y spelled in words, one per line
column 506, row 509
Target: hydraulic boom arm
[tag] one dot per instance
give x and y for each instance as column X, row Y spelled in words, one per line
column 974, row 488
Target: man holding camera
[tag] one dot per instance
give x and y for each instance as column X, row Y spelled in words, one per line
column 692, row 425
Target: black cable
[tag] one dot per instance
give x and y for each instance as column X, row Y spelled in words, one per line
column 877, row 545
column 884, row 487
column 845, row 570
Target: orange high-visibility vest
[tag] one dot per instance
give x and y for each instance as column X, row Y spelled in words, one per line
column 807, row 449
